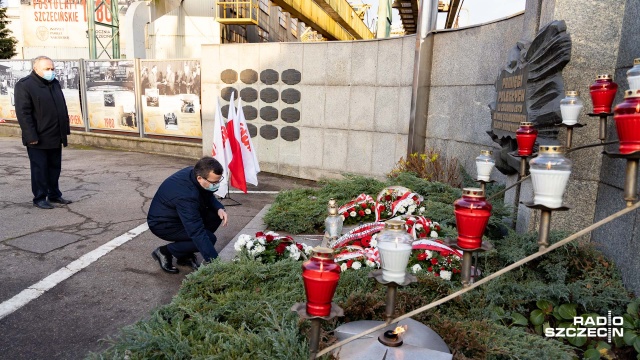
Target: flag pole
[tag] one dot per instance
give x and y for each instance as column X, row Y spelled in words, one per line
column 227, row 196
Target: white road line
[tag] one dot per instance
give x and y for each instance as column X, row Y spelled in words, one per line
column 254, row 192
column 34, row 291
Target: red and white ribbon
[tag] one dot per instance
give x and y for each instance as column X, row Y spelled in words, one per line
column 434, row 246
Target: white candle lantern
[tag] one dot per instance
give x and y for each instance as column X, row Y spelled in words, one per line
column 394, row 246
column 334, row 222
column 570, row 108
column 484, row 165
column 633, row 75
column 550, row 172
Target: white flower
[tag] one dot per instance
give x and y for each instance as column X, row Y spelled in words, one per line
column 258, row 249
column 294, row 253
column 261, row 240
column 244, row 238
column 367, row 211
column 418, row 226
column 415, row 268
column 412, row 208
column 356, row 265
column 370, row 263
column 400, row 209
column 373, row 243
column 307, row 249
column 249, row 245
column 421, row 210
column 343, row 267
column 238, row 245
column 352, row 214
column 445, row 274
column 272, row 233
column 429, row 254
column 433, row 234
column 342, row 217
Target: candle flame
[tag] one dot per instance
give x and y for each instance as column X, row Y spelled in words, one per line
column 400, row 329
column 638, row 108
column 549, row 165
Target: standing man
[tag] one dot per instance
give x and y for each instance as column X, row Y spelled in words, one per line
column 185, row 212
column 42, row 113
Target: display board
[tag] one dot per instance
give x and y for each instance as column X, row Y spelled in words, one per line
column 170, row 95
column 10, row 72
column 111, row 100
column 68, row 74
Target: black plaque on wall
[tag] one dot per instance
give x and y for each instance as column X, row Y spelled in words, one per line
column 529, row 88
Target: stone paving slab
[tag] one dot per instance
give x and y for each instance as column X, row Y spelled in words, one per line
column 43, row 242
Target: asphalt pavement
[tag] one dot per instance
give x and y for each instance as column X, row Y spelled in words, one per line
column 111, row 192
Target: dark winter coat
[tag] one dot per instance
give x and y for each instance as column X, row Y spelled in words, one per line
column 42, row 112
column 179, row 203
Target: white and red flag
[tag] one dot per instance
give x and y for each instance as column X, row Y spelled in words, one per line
column 249, row 158
column 236, row 167
column 221, row 150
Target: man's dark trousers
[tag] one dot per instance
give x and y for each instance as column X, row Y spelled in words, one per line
column 181, row 244
column 46, row 165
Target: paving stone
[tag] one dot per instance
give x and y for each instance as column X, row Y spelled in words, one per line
column 43, row 242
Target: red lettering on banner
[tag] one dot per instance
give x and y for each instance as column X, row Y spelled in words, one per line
column 110, row 123
column 75, row 120
column 225, row 135
column 244, row 137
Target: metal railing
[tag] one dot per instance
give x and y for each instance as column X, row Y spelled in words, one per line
column 238, row 12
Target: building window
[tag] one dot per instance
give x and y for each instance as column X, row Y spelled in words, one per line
column 264, row 6
column 234, row 34
column 282, row 18
column 263, row 34
column 294, row 27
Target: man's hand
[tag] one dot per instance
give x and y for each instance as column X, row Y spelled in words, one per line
column 223, row 216
column 33, row 142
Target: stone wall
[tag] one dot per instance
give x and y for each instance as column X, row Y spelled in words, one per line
column 349, row 111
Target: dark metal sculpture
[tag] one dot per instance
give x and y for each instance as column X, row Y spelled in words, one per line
column 530, row 88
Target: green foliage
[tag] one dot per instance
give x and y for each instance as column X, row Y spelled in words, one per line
column 7, row 41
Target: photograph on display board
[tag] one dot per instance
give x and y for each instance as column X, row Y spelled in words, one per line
column 68, row 75
column 10, row 72
column 171, row 97
column 110, row 95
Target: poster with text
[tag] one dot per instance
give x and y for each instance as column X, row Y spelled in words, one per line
column 10, row 72
column 171, row 97
column 63, row 23
column 111, row 101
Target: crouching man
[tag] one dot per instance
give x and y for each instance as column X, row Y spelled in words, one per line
column 185, row 212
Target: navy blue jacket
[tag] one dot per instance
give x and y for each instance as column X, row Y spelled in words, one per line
column 178, row 203
column 42, row 112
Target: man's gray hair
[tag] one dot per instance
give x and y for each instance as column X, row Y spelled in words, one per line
column 39, row 58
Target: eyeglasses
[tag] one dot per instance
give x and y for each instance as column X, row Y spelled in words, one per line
column 214, row 182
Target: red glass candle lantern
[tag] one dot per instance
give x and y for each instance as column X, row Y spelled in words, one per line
column 472, row 216
column 603, row 91
column 320, row 275
column 627, row 118
column 526, row 137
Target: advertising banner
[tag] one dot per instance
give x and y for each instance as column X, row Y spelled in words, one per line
column 170, row 92
column 111, row 101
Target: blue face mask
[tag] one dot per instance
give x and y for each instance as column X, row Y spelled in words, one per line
column 49, row 75
column 213, row 187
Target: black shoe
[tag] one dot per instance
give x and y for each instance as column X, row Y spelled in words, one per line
column 42, row 204
column 164, row 260
column 190, row 261
column 61, row 201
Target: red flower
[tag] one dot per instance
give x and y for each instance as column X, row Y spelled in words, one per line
column 269, row 238
column 259, row 233
column 357, row 243
column 434, row 261
column 436, row 274
column 345, row 214
column 445, row 253
column 422, row 235
column 363, row 205
column 387, row 197
column 442, row 268
column 422, row 257
column 299, row 246
column 361, row 213
column 449, row 260
column 430, row 268
column 437, row 227
column 366, row 241
column 409, row 222
column 382, row 208
column 349, row 263
column 280, row 248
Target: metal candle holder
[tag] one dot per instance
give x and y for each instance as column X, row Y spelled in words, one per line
column 392, row 288
column 570, row 132
column 316, row 321
column 545, row 222
column 631, row 174
column 602, row 133
column 483, row 184
column 467, row 255
column 522, row 173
